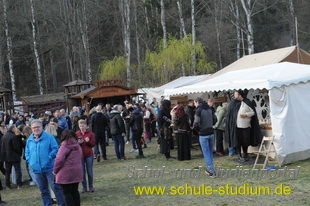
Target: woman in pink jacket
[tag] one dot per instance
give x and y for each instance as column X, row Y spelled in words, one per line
column 68, row 167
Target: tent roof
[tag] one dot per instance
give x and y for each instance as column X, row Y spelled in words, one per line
column 268, row 77
column 288, row 54
column 179, row 82
column 157, row 92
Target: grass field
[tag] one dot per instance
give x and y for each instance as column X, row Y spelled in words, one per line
column 114, row 187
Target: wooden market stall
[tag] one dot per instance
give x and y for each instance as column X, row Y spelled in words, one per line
column 104, row 91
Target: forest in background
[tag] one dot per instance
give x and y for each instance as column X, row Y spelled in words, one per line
column 46, row 44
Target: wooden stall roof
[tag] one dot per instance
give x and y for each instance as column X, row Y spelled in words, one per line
column 76, row 83
column 2, row 89
column 105, row 91
column 46, row 98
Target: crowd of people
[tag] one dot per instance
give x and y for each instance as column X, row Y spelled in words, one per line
column 59, row 148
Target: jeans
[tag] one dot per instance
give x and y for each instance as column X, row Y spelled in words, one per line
column 8, row 166
column 132, row 139
column 119, row 146
column 88, row 167
column 100, row 139
column 71, row 193
column 219, row 140
column 231, row 151
column 43, row 180
column 206, row 143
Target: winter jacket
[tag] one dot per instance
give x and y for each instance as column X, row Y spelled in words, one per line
column 117, row 125
column 98, row 124
column 87, row 146
column 204, row 120
column 40, row 153
column 11, row 147
column 62, row 123
column 136, row 120
column 221, row 113
column 68, row 165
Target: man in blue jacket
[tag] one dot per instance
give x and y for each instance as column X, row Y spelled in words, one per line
column 40, row 152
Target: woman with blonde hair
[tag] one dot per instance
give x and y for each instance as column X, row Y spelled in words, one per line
column 27, row 131
column 51, row 129
column 86, row 140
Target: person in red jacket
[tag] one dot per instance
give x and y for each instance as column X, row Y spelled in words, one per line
column 87, row 141
column 68, row 167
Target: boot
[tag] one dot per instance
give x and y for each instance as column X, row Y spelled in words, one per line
column 240, row 158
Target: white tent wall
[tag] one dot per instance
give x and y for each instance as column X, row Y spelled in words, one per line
column 290, row 117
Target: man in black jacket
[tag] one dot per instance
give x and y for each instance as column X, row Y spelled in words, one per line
column 136, row 123
column 99, row 122
column 118, row 131
column 11, row 152
column 203, row 123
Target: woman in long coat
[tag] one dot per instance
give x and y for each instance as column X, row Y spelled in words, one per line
column 164, row 121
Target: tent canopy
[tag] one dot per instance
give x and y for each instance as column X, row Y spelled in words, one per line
column 289, row 54
column 157, row 92
column 265, row 77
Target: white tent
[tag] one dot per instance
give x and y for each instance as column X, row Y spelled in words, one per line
column 157, row 92
column 289, row 94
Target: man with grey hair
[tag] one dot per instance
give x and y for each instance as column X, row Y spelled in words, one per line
column 99, row 122
column 66, row 117
column 62, row 122
column 40, row 153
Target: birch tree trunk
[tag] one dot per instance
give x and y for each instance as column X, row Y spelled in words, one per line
column 238, row 29
column 193, row 53
column 137, row 40
column 125, row 12
column 84, row 30
column 182, row 25
column 217, row 21
column 1, row 64
column 146, row 16
column 247, row 7
column 163, row 24
column 234, row 8
column 35, row 47
column 292, row 14
column 10, row 49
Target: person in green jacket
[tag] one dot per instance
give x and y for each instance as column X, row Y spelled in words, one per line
column 219, row 128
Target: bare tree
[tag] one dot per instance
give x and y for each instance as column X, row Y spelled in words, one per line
column 193, row 37
column 248, row 9
column 84, row 30
column 163, row 22
column 292, row 15
column 125, row 11
column 137, row 39
column 9, row 48
column 35, row 47
column 234, row 8
column 182, row 25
